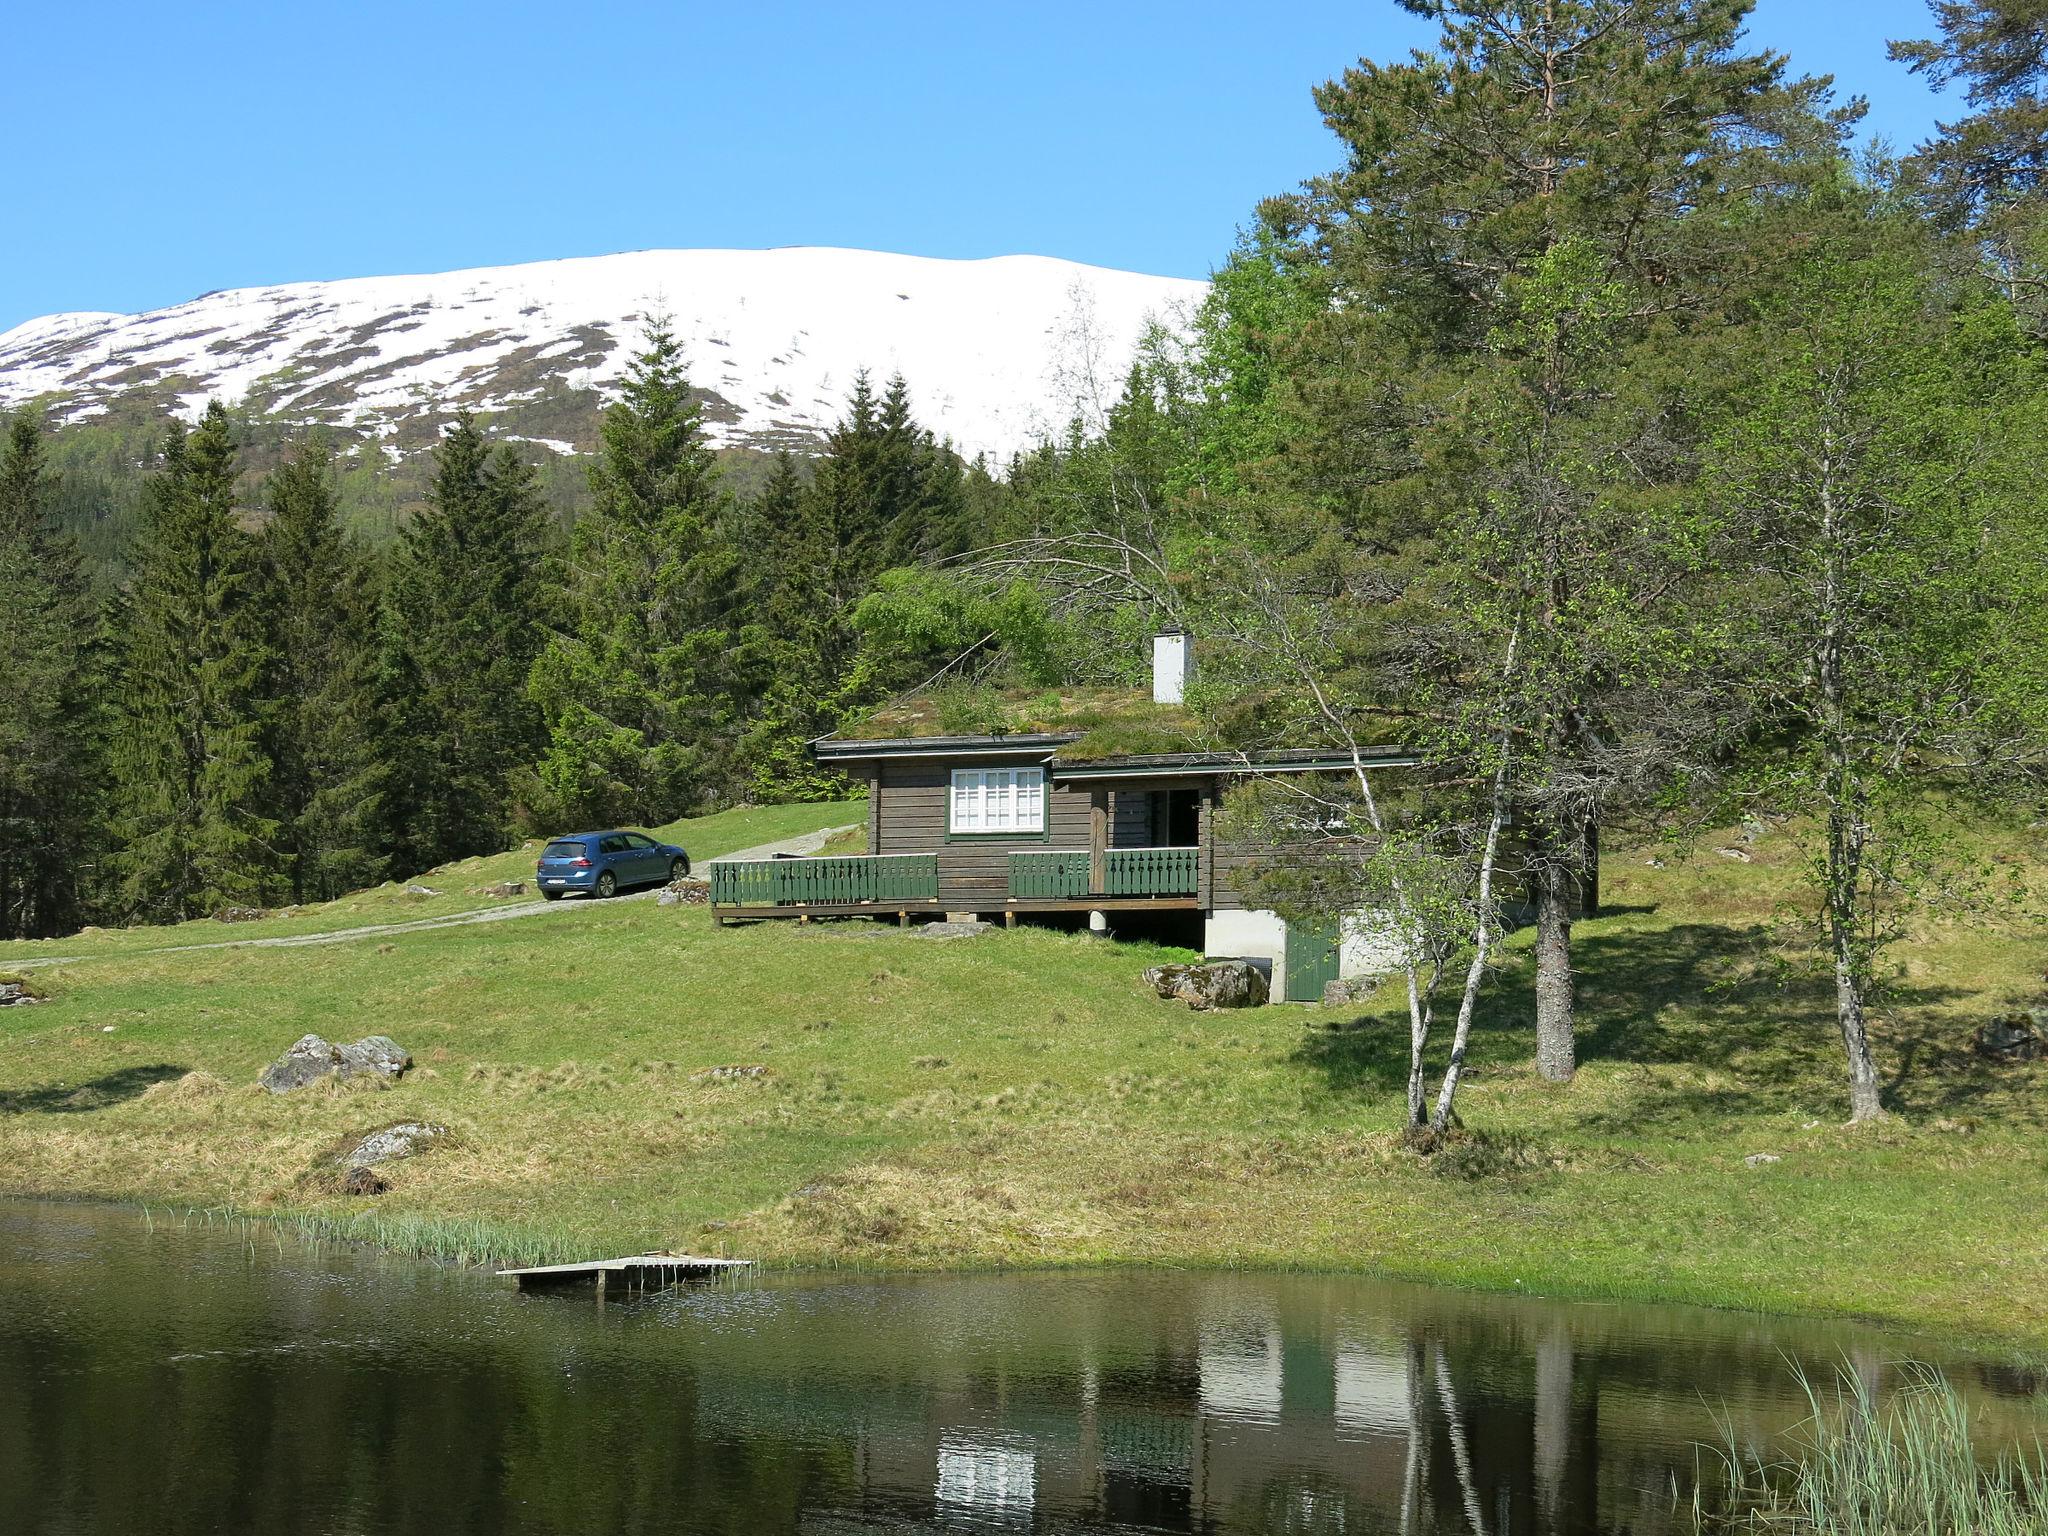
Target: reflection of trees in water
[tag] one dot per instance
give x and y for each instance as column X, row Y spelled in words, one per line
column 187, row 1385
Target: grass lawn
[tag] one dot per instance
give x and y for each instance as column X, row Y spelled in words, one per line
column 1021, row 1098
column 459, row 887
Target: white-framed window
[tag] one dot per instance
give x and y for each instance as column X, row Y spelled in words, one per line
column 997, row 800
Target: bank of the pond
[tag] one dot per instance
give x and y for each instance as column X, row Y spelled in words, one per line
column 1021, row 1099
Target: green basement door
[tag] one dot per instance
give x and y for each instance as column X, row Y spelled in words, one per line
column 1311, row 961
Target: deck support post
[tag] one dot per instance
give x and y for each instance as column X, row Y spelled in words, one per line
column 1010, row 919
column 1098, row 839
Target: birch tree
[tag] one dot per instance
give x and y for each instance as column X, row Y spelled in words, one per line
column 1891, row 584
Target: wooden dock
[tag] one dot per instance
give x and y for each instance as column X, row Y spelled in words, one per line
column 638, row 1272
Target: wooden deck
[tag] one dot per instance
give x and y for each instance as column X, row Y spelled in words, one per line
column 1100, row 879
column 638, row 1272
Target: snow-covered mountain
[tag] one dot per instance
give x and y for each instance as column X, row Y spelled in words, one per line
column 996, row 352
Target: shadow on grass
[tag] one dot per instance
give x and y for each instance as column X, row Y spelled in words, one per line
column 82, row 1098
column 1719, row 1031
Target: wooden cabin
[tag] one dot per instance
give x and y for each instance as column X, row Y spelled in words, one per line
column 1000, row 825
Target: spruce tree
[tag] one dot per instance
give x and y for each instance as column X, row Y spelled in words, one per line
column 322, row 687
column 194, row 779
column 641, row 691
column 461, row 634
column 50, row 744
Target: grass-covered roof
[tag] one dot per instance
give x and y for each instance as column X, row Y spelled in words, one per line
column 1105, row 722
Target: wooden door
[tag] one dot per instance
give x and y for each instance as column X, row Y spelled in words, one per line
column 1311, row 961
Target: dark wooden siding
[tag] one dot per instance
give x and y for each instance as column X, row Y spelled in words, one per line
column 974, row 876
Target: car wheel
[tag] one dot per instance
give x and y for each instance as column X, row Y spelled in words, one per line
column 607, row 886
column 550, row 895
column 678, row 868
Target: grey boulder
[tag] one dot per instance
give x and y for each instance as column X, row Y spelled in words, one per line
column 1215, row 984
column 1348, row 992
column 311, row 1058
column 405, row 1138
column 953, row 930
column 2021, row 1036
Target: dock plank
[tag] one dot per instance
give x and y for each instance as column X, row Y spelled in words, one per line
column 665, row 1267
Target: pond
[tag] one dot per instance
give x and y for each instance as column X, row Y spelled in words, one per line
column 173, row 1376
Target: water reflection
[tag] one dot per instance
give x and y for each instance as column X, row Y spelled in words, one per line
column 189, row 1379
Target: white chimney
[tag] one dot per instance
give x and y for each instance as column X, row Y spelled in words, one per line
column 1172, row 666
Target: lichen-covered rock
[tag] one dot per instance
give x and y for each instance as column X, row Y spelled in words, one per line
column 502, row 888
column 1216, row 984
column 375, row 1056
column 239, row 915
column 15, row 993
column 2021, row 1036
column 403, row 1138
column 685, row 893
column 311, row 1059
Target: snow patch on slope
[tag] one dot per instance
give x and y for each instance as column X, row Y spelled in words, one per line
column 998, row 352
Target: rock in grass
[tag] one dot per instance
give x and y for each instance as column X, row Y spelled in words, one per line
column 402, row 1138
column 1349, row 991
column 240, row 915
column 685, row 893
column 1761, row 1159
column 2013, row 1037
column 502, row 888
column 311, row 1059
column 950, row 930
column 15, row 993
column 1218, row 984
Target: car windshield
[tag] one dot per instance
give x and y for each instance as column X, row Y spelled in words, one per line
column 562, row 851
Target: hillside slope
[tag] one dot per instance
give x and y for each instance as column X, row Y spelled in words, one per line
column 1022, row 1098
column 997, row 351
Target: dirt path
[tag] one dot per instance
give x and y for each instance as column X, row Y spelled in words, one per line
column 805, row 843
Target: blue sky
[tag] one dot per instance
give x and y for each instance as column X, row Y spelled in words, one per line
column 170, row 150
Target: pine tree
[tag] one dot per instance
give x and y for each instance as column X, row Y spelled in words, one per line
column 50, row 744
column 461, row 635
column 194, row 780
column 1986, row 172
column 322, row 687
column 1556, row 185
column 641, row 692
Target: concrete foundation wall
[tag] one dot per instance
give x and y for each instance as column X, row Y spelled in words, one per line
column 1253, row 934
column 1241, row 934
column 1369, row 948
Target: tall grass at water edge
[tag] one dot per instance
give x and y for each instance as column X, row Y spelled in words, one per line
column 1906, row 1467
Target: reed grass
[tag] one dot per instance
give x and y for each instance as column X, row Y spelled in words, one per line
column 1906, row 1467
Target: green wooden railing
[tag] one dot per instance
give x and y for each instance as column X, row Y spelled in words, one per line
column 1150, row 871
column 1063, row 876
column 1048, row 876
column 850, row 881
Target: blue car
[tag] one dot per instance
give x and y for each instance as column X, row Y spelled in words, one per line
column 604, row 863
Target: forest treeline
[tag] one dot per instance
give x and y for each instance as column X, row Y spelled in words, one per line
column 1610, row 425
